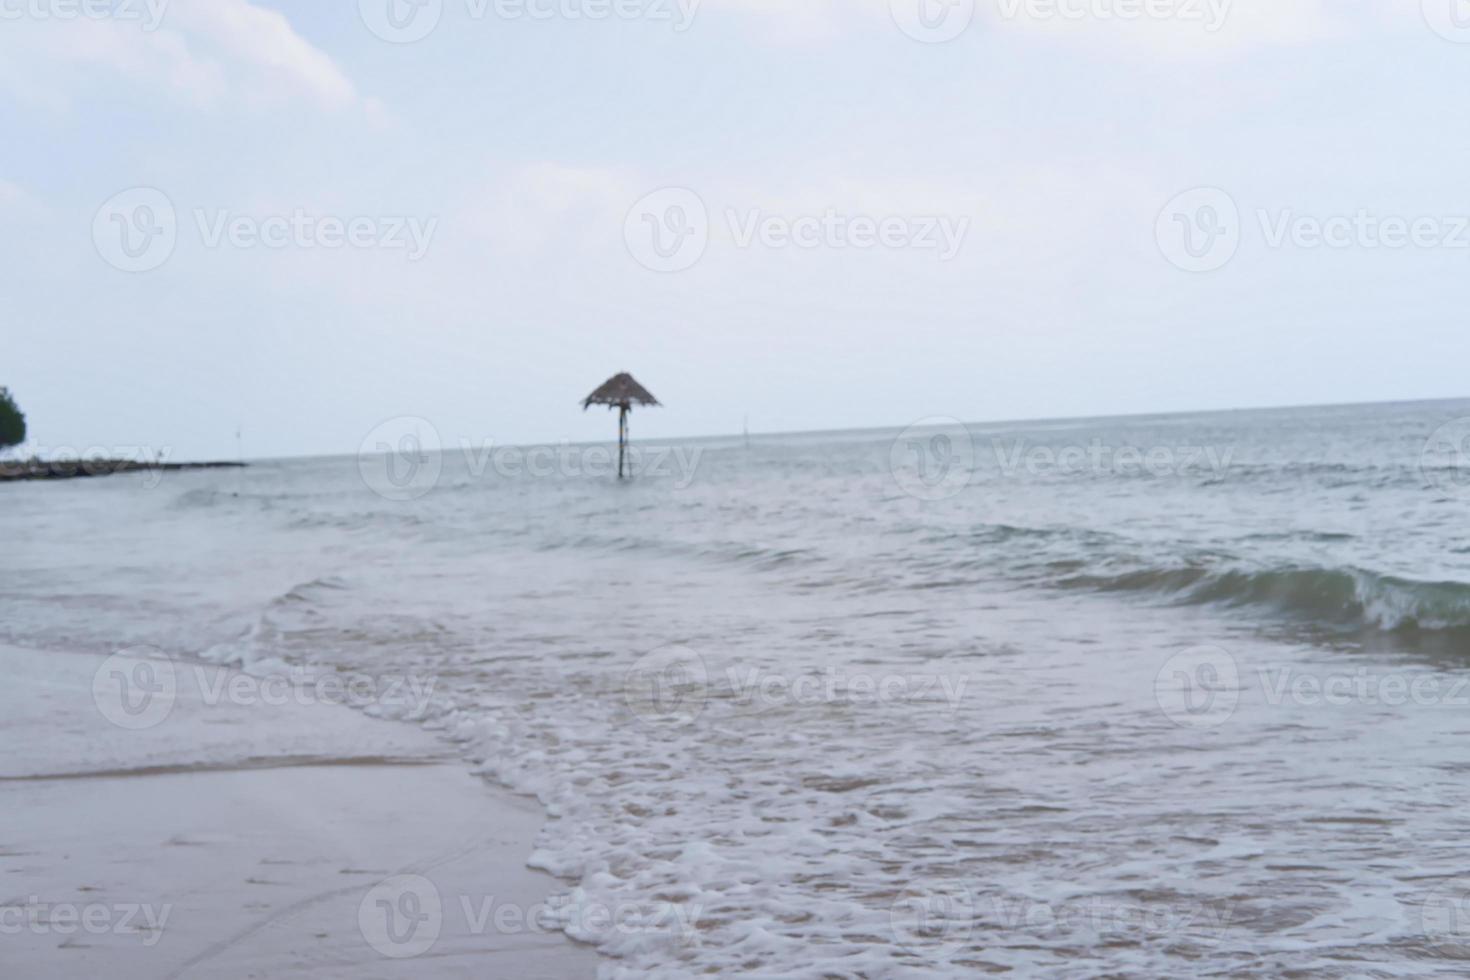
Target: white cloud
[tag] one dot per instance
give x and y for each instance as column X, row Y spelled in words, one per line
column 272, row 61
column 206, row 53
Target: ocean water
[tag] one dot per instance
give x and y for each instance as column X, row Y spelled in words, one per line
column 1177, row 695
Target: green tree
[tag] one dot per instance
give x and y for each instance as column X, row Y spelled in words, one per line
column 12, row 421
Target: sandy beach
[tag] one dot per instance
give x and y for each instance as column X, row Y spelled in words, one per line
column 238, row 839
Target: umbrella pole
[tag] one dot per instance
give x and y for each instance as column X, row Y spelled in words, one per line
column 622, row 436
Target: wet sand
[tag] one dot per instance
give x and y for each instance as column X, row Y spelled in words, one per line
column 253, row 840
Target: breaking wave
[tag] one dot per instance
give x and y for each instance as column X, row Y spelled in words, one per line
column 1341, row 598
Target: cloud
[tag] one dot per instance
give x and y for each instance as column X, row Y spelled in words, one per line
column 272, row 61
column 204, row 53
column 15, row 199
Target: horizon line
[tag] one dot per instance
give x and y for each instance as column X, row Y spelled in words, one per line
column 741, row 436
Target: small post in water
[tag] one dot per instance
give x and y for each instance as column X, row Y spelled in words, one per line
column 622, row 436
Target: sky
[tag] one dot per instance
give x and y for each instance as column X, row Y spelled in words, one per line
column 298, row 221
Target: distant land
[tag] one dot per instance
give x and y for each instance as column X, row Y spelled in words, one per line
column 74, row 469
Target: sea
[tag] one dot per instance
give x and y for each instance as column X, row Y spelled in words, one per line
column 1176, row 695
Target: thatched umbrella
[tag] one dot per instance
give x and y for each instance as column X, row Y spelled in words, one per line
column 621, row 392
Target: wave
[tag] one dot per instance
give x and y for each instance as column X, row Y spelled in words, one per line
column 202, row 497
column 207, row 498
column 356, row 521
column 759, row 557
column 1350, row 598
column 1331, row 473
column 265, row 641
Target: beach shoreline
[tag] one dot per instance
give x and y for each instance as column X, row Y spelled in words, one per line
column 233, row 839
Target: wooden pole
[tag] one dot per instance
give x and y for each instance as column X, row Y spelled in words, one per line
column 622, row 436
